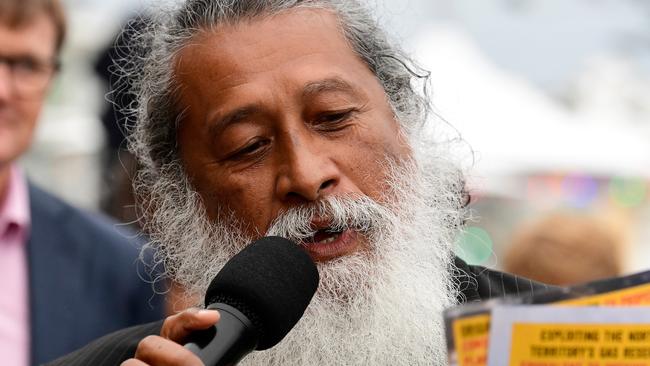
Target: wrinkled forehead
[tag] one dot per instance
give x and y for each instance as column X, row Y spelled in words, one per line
column 297, row 52
column 265, row 39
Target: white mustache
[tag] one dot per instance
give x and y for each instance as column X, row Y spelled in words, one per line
column 340, row 213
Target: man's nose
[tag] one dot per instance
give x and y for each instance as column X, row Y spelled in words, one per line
column 306, row 173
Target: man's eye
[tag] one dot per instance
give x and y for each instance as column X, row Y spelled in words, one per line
column 334, row 120
column 27, row 65
column 249, row 150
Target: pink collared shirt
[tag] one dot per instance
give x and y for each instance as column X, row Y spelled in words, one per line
column 14, row 286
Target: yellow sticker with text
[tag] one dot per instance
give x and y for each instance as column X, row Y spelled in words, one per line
column 471, row 336
column 580, row 345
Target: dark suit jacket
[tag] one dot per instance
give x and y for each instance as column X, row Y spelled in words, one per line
column 83, row 277
column 476, row 284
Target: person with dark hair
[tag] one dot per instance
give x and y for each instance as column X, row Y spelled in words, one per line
column 67, row 276
column 118, row 164
column 299, row 119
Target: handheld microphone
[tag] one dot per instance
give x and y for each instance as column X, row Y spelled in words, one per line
column 261, row 293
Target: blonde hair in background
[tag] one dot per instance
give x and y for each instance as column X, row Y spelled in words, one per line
column 566, row 248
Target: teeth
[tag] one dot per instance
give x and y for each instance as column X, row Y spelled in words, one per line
column 330, row 239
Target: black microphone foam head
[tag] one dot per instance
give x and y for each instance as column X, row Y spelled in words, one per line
column 271, row 281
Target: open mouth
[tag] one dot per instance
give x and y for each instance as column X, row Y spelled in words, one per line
column 324, row 236
column 328, row 243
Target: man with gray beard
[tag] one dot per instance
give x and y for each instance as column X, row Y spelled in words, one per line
column 297, row 118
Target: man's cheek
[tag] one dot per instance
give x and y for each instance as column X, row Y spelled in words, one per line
column 251, row 211
column 370, row 177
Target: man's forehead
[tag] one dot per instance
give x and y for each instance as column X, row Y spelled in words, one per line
column 288, row 20
column 16, row 15
column 301, row 51
column 267, row 36
column 37, row 37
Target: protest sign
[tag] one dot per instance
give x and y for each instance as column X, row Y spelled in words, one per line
column 468, row 325
column 534, row 335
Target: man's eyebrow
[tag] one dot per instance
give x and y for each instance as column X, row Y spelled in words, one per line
column 219, row 123
column 328, row 85
column 332, row 84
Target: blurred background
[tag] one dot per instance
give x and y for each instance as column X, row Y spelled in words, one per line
column 552, row 96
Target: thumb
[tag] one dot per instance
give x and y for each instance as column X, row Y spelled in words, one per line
column 178, row 327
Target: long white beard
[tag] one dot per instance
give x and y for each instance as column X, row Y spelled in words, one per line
column 382, row 306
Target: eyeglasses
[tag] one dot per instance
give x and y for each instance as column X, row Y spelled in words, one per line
column 29, row 76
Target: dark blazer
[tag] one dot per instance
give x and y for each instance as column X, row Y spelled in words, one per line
column 84, row 277
column 476, row 284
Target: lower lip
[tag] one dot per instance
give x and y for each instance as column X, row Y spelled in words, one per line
column 346, row 243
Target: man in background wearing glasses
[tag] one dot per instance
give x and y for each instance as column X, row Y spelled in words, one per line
column 67, row 276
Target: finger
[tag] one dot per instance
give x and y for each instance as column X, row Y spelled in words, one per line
column 133, row 362
column 156, row 350
column 178, row 327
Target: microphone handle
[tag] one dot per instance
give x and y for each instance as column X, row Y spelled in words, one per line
column 227, row 342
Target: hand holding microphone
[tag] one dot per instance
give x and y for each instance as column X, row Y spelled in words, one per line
column 261, row 293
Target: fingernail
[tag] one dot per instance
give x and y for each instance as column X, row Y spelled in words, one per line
column 207, row 312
